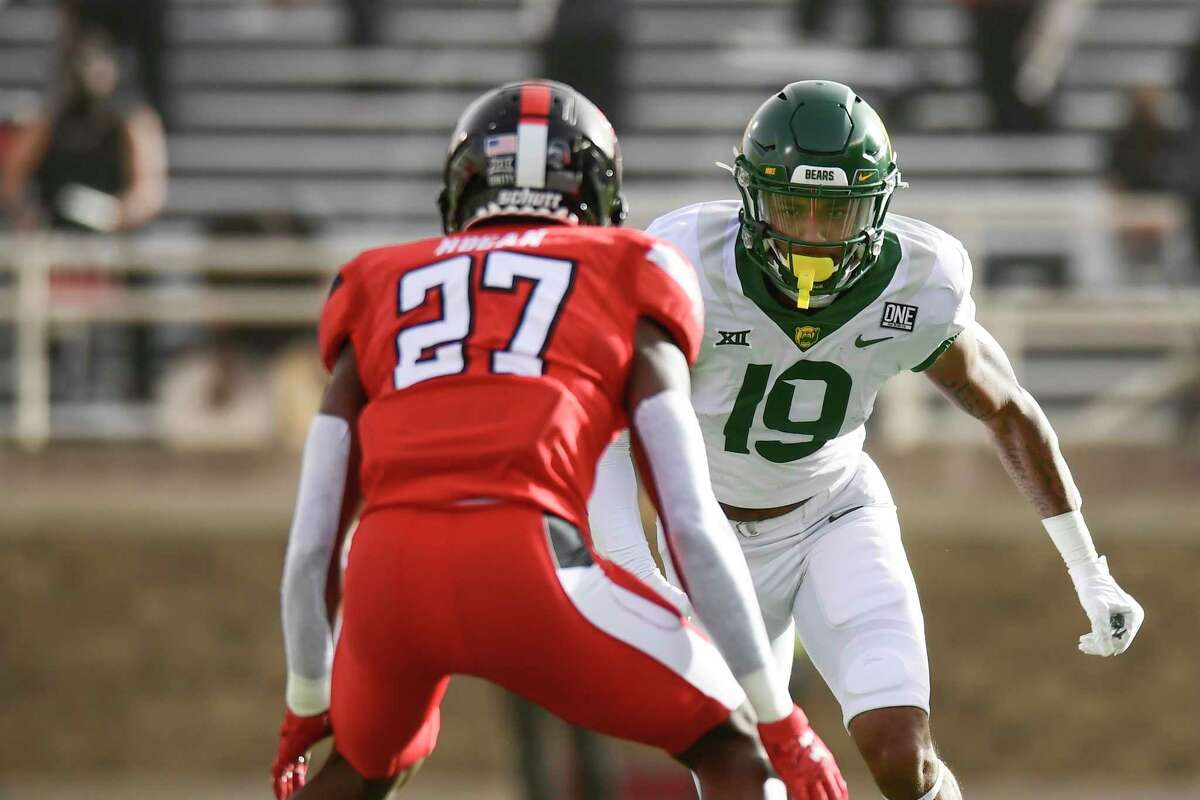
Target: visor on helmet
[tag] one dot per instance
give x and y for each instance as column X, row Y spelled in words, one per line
column 832, row 220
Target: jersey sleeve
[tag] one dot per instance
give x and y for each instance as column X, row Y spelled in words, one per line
column 666, row 289
column 337, row 316
column 953, row 308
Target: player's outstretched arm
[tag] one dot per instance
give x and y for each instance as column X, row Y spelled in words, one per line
column 976, row 375
column 616, row 522
column 675, row 469
column 312, row 544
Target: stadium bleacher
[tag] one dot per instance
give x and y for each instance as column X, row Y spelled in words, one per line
column 264, row 119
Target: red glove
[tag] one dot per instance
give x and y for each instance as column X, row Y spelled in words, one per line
column 297, row 735
column 803, row 762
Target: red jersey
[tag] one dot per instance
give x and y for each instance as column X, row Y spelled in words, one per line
column 495, row 361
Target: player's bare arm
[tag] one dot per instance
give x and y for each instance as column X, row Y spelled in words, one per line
column 975, row 374
column 344, row 396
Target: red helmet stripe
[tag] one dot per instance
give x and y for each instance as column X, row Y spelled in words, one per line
column 532, row 131
column 535, row 102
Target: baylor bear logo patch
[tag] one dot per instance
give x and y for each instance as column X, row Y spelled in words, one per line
column 806, row 336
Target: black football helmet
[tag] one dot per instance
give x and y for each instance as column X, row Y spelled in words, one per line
column 532, row 149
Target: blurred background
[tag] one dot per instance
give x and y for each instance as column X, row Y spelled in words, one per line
column 180, row 178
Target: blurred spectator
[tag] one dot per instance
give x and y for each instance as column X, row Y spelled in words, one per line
column 1144, row 147
column 10, row 129
column 140, row 25
column 1190, row 83
column 364, row 20
column 999, row 28
column 1142, row 155
column 91, row 160
column 8, row 134
column 813, row 19
column 584, row 46
column 364, row 23
column 1190, row 87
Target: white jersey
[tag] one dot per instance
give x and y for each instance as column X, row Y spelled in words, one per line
column 782, row 395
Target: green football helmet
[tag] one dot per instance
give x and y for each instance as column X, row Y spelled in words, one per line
column 816, row 171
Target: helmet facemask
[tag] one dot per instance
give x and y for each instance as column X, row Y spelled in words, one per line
column 813, row 242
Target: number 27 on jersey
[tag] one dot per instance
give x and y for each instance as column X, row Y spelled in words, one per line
column 436, row 348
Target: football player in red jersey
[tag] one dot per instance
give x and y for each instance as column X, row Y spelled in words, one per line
column 482, row 374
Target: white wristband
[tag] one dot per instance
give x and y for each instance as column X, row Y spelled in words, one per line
column 1070, row 535
column 767, row 694
column 307, row 696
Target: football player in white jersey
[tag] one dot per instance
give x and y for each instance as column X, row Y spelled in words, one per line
column 815, row 296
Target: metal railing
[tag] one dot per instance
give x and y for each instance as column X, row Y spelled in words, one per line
column 33, row 310
column 1158, row 328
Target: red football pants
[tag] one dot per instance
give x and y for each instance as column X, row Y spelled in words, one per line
column 508, row 594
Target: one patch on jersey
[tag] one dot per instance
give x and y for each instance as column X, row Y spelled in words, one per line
column 806, row 336
column 899, row 317
column 733, row 337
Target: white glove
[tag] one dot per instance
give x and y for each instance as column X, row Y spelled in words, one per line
column 1115, row 616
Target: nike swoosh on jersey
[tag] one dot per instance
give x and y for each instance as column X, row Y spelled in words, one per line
column 861, row 342
column 839, row 515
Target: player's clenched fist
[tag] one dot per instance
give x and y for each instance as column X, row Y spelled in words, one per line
column 800, row 757
column 297, row 735
column 1114, row 614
